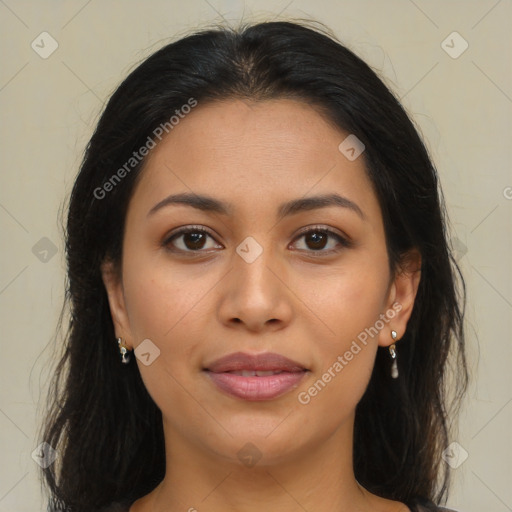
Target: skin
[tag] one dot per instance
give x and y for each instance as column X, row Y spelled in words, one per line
column 294, row 299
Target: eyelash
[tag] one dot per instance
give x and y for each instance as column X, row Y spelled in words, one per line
column 344, row 242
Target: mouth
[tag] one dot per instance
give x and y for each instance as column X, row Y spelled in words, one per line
column 255, row 377
column 255, row 373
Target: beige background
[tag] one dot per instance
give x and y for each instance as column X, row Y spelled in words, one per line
column 463, row 107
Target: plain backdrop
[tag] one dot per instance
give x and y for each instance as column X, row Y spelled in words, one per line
column 456, row 86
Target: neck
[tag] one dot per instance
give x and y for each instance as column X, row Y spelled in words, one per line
column 315, row 475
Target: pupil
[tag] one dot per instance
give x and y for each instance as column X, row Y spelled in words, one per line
column 318, row 240
column 197, row 240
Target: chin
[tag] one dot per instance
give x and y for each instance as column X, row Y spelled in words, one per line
column 265, row 441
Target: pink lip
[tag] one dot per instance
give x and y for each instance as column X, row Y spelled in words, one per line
column 265, row 362
column 255, row 387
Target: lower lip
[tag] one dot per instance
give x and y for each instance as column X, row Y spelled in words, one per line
column 257, row 388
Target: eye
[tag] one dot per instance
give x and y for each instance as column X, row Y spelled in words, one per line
column 194, row 239
column 317, row 238
column 189, row 239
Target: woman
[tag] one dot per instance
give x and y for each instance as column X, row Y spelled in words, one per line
column 262, row 297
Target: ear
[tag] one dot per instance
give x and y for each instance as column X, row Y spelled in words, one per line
column 114, row 287
column 401, row 297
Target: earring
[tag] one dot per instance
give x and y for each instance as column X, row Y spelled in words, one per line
column 392, row 351
column 125, row 355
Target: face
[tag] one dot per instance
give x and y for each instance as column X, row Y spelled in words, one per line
column 309, row 281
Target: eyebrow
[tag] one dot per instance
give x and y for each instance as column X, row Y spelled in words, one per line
column 210, row 204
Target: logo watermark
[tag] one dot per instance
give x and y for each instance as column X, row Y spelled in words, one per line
column 147, row 352
column 351, row 147
column 44, row 455
column 455, row 455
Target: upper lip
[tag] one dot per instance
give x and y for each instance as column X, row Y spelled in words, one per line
column 268, row 361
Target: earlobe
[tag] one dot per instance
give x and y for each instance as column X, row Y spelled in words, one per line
column 402, row 296
column 114, row 288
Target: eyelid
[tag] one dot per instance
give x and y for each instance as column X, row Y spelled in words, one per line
column 324, row 228
column 190, row 228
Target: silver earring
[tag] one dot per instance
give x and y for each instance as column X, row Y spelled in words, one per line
column 125, row 355
column 392, row 351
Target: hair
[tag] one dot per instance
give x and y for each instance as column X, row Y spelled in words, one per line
column 105, row 426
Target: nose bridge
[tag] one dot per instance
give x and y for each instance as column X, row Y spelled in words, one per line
column 255, row 294
column 253, row 264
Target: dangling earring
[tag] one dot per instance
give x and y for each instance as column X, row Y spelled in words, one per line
column 125, row 355
column 392, row 351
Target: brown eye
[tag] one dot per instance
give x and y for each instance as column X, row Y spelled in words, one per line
column 322, row 240
column 194, row 241
column 316, row 239
column 191, row 239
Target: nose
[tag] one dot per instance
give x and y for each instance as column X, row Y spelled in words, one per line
column 255, row 295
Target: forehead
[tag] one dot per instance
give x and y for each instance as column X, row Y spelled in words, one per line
column 247, row 152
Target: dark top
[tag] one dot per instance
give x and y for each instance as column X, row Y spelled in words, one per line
column 422, row 505
column 417, row 505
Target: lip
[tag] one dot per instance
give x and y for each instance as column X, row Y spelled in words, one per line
column 268, row 361
column 255, row 388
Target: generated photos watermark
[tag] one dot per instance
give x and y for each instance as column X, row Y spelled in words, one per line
column 144, row 150
column 304, row 397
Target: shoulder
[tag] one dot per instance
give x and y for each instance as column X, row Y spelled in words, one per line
column 113, row 507
column 432, row 508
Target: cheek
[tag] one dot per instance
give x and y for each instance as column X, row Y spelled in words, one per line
column 163, row 306
column 167, row 305
column 162, row 299
column 346, row 300
column 350, row 306
column 331, row 397
column 349, row 303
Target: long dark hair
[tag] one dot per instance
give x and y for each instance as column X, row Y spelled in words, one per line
column 106, row 428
